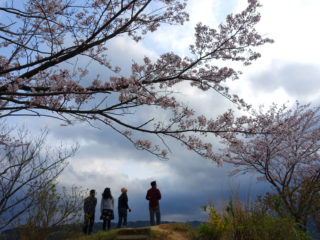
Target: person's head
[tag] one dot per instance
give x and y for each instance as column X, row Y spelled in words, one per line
column 107, row 193
column 153, row 184
column 92, row 193
column 124, row 190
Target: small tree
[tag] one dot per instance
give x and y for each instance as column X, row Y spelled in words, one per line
column 316, row 214
column 52, row 209
column 285, row 154
column 39, row 75
column 27, row 167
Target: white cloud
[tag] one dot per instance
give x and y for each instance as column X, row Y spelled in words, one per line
column 178, row 38
column 292, row 24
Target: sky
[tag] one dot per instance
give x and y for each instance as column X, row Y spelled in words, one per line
column 288, row 70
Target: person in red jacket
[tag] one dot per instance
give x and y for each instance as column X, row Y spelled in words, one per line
column 154, row 195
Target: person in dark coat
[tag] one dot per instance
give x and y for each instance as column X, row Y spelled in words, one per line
column 154, row 195
column 89, row 208
column 123, row 207
column 106, row 208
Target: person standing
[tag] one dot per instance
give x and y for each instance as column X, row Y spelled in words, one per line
column 123, row 207
column 89, row 208
column 106, row 208
column 154, row 195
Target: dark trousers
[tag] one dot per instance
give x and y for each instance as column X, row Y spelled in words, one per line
column 154, row 210
column 88, row 224
column 104, row 224
column 122, row 216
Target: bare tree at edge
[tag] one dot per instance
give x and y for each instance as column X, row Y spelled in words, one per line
column 27, row 166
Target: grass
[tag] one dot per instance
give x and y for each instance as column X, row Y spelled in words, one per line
column 158, row 235
column 109, row 235
column 186, row 229
column 181, row 227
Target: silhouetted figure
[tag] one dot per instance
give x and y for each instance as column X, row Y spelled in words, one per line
column 123, row 207
column 89, row 208
column 106, row 207
column 154, row 195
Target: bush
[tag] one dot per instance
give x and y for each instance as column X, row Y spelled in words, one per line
column 208, row 231
column 264, row 227
column 52, row 209
column 239, row 221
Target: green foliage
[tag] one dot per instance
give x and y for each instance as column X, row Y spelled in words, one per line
column 52, row 209
column 239, row 221
column 262, row 226
column 208, row 231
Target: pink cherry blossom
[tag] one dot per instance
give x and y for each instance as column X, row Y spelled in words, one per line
column 40, row 76
column 282, row 149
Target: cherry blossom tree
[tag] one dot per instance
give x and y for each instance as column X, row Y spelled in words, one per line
column 40, row 41
column 285, row 154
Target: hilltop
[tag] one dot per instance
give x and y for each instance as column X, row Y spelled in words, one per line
column 74, row 231
column 169, row 231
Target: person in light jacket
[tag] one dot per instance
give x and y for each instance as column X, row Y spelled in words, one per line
column 106, row 207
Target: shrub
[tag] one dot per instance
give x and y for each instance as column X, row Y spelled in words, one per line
column 208, row 231
column 245, row 221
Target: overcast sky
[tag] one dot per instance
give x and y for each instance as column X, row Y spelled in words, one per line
column 289, row 70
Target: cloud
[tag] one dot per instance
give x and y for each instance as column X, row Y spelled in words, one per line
column 186, row 181
column 178, row 38
column 287, row 70
column 291, row 23
column 299, row 80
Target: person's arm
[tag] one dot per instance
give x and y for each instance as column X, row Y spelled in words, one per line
column 112, row 203
column 127, row 204
column 159, row 194
column 86, row 207
column 101, row 205
column 148, row 196
column 126, row 201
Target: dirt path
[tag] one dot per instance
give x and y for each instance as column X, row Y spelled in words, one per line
column 172, row 235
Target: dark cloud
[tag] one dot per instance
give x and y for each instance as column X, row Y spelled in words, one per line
column 297, row 79
column 107, row 159
column 190, row 183
column 187, row 182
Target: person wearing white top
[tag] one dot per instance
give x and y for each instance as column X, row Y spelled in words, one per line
column 106, row 207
